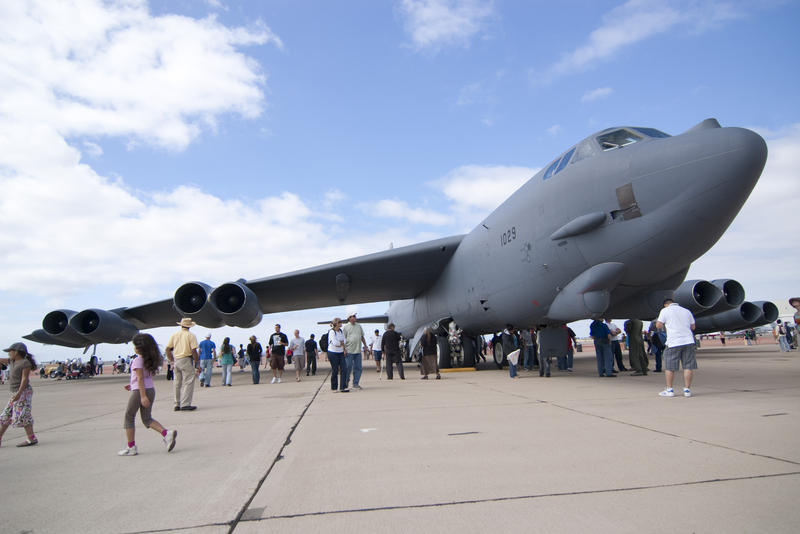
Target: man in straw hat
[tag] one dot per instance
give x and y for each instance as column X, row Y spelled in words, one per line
column 181, row 350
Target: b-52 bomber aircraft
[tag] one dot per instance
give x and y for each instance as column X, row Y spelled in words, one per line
column 609, row 228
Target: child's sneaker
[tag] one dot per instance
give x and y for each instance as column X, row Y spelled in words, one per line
column 687, row 392
column 668, row 392
column 128, row 451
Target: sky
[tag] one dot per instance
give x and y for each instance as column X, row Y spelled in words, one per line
column 146, row 144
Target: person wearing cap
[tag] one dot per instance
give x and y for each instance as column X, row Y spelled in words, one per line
column 794, row 302
column 311, row 356
column 208, row 352
column 354, row 334
column 18, row 411
column 181, row 350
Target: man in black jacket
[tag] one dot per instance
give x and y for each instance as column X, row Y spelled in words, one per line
column 311, row 355
column 390, row 346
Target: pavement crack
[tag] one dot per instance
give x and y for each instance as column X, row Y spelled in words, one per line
column 277, row 458
column 520, row 497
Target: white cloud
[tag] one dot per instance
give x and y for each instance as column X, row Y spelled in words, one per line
column 112, row 70
column 92, row 149
column 476, row 190
column 637, row 20
column 554, row 130
column 760, row 247
column 432, row 24
column 596, row 94
column 100, row 69
column 397, row 209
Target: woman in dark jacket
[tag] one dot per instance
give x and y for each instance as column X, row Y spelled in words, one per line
column 429, row 363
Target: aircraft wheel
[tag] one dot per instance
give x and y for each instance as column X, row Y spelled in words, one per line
column 499, row 358
column 468, row 349
column 444, row 352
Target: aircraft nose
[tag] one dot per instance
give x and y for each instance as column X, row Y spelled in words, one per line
column 746, row 156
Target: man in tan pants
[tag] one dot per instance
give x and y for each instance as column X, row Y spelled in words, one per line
column 181, row 350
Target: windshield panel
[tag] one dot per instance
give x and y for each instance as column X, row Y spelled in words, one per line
column 652, row 132
column 550, row 170
column 617, row 139
column 564, row 161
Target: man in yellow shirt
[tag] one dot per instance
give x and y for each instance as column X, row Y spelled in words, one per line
column 181, row 351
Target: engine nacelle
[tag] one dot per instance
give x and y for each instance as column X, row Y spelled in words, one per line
column 56, row 325
column 192, row 300
column 102, row 326
column 236, row 304
column 732, row 296
column 744, row 316
column 697, row 295
column 769, row 312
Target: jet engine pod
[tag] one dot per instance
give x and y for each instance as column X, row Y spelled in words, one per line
column 192, row 300
column 236, row 304
column 743, row 316
column 56, row 325
column 732, row 296
column 102, row 326
column 768, row 310
column 697, row 295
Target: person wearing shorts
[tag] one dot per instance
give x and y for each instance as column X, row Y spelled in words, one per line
column 298, row 346
column 277, row 344
column 375, row 344
column 680, row 351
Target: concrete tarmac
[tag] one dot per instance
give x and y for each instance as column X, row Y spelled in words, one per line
column 473, row 452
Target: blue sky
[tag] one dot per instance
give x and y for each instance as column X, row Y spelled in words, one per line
column 147, row 144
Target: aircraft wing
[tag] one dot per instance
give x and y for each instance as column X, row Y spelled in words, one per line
column 400, row 273
column 395, row 274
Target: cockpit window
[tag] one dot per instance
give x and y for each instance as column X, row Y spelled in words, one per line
column 617, row 139
column 652, row 132
column 584, row 150
column 564, row 161
column 550, row 170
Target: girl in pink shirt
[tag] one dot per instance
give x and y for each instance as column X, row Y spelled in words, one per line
column 143, row 367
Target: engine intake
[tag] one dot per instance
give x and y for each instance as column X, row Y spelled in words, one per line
column 732, row 296
column 769, row 312
column 102, row 326
column 192, row 300
column 56, row 325
column 236, row 304
column 697, row 295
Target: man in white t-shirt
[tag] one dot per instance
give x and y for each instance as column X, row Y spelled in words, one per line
column 616, row 350
column 680, row 345
column 375, row 345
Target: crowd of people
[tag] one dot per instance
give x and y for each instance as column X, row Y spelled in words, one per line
column 669, row 338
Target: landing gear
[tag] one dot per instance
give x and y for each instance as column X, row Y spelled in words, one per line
column 444, row 352
column 469, row 351
column 499, row 358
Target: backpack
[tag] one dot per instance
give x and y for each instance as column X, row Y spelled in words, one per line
column 323, row 342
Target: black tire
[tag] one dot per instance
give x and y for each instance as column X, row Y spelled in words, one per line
column 53, row 373
column 444, row 352
column 499, row 358
column 468, row 350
